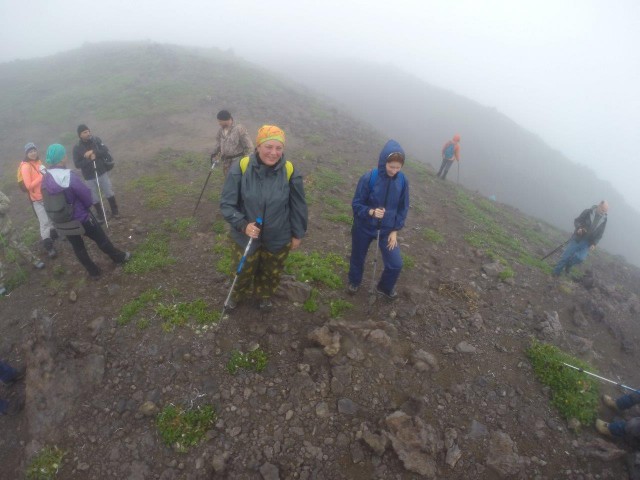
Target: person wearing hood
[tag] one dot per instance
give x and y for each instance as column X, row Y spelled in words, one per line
column 32, row 179
column 59, row 179
column 450, row 152
column 589, row 228
column 380, row 205
column 263, row 185
column 92, row 157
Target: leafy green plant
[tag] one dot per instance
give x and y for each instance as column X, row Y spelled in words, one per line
column 336, row 204
column 150, row 255
column 255, row 360
column 324, row 180
column 219, row 226
column 183, row 428
column 338, row 307
column 407, row 261
column 45, row 465
column 314, row 267
column 181, row 226
column 506, row 273
column 179, row 314
column 311, row 304
column 432, row 236
column 131, row 309
column 573, row 393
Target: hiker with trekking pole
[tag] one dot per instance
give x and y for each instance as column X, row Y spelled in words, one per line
column 589, row 228
column 67, row 201
column 93, row 158
column 627, row 429
column 263, row 186
column 232, row 142
column 380, row 205
column 450, row 152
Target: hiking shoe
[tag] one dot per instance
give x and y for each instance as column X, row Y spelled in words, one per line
column 609, row 402
column 231, row 305
column 20, row 374
column 52, row 253
column 127, row 257
column 3, row 290
column 265, row 304
column 352, row 289
column 391, row 296
column 39, row 264
column 603, row 428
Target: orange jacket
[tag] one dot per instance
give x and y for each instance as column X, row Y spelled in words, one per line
column 32, row 178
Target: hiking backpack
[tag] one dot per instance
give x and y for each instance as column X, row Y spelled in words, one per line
column 449, row 151
column 56, row 206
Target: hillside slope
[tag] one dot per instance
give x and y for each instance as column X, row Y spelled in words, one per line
column 499, row 157
column 435, row 385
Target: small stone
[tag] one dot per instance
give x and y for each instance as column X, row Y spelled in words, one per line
column 148, row 409
column 464, row 347
column 453, row 455
column 347, row 406
column 269, row 471
column 322, row 409
column 73, row 296
column 83, row 467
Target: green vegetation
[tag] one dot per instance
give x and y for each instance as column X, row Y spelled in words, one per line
column 181, row 226
column 159, row 190
column 573, row 393
column 407, row 261
column 491, row 237
column 506, row 273
column 219, row 226
column 223, row 265
column 338, row 307
column 45, row 465
column 338, row 218
column 150, row 255
column 324, row 180
column 315, row 139
column 337, row 204
column 181, row 313
column 255, row 361
column 143, row 323
column 314, row 267
column 182, row 428
column 16, row 279
column 311, row 304
column 432, row 236
column 131, row 309
column 181, row 160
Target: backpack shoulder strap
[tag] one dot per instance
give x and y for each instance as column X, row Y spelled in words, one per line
column 244, row 163
column 372, row 179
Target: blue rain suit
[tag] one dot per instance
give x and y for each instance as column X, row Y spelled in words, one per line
column 395, row 190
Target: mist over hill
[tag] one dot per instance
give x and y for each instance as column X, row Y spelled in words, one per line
column 499, row 157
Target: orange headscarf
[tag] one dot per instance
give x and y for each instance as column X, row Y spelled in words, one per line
column 270, row 132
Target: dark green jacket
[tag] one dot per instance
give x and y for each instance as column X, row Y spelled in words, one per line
column 264, row 192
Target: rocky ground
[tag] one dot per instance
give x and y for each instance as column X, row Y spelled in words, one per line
column 434, row 385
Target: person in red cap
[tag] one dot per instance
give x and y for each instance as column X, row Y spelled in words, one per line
column 450, row 152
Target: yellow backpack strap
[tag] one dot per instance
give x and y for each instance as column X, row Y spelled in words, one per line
column 244, row 163
column 289, row 166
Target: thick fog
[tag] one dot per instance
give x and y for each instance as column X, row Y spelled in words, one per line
column 567, row 70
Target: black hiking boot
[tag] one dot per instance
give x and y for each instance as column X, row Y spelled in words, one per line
column 352, row 289
column 115, row 213
column 48, row 246
column 99, row 216
column 393, row 295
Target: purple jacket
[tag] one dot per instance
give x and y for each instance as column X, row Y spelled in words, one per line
column 58, row 180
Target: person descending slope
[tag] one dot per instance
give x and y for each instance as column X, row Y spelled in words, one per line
column 380, row 205
column 450, row 152
column 232, row 141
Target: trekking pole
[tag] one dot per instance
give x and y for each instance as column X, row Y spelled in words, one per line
column 213, row 165
column 238, row 270
column 375, row 258
column 104, row 213
column 582, row 370
column 555, row 250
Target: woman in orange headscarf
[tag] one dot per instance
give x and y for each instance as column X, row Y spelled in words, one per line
column 263, row 186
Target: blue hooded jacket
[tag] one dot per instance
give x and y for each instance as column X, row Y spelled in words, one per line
column 397, row 199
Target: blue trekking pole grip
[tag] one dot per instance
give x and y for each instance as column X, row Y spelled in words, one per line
column 246, row 250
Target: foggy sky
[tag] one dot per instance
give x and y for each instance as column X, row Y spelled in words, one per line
column 567, row 70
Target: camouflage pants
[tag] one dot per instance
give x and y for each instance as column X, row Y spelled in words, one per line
column 9, row 242
column 260, row 273
column 227, row 162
